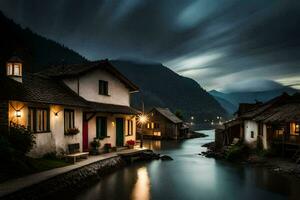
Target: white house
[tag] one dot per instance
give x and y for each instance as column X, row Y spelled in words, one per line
column 69, row 104
column 276, row 122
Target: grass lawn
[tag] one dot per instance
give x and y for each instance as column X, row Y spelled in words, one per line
column 42, row 164
column 31, row 165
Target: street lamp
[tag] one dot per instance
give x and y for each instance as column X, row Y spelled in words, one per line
column 142, row 119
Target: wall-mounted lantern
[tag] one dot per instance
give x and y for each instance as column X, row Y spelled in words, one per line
column 18, row 113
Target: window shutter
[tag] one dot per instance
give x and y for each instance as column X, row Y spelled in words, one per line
column 103, row 127
column 98, row 127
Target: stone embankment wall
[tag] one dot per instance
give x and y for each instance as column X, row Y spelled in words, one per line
column 72, row 180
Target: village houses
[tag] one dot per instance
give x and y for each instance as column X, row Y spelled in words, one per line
column 69, row 104
column 275, row 123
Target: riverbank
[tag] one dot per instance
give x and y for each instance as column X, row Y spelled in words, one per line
column 275, row 164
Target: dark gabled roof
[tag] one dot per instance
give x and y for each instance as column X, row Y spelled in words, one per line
column 61, row 71
column 15, row 59
column 38, row 89
column 168, row 114
column 110, row 108
column 246, row 107
column 287, row 111
column 263, row 107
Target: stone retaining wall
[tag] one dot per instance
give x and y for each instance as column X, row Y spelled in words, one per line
column 73, row 180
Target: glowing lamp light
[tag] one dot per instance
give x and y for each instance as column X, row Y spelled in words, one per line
column 113, row 123
column 143, row 119
column 18, row 113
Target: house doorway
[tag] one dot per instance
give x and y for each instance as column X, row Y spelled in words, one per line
column 85, row 136
column 119, row 132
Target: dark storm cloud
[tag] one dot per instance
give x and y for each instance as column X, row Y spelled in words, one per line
column 218, row 43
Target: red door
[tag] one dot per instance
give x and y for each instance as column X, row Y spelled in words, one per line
column 85, row 136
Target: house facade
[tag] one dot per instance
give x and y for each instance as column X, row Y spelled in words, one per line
column 69, row 104
column 163, row 124
column 267, row 125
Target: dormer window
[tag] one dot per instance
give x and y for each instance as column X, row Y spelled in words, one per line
column 103, row 87
column 14, row 68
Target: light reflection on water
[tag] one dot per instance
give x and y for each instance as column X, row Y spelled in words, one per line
column 190, row 176
column 141, row 189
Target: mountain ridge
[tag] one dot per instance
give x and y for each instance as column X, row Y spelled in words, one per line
column 250, row 97
column 177, row 91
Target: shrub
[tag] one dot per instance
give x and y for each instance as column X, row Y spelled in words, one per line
column 236, row 152
column 14, row 144
column 95, row 143
column 20, row 139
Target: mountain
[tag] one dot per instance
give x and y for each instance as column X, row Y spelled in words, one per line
column 250, row 97
column 160, row 86
column 36, row 51
column 227, row 105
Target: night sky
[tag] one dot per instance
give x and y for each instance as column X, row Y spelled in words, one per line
column 228, row 45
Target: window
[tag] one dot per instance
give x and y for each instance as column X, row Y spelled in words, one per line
column 297, row 128
column 14, row 69
column 9, row 69
column 252, row 134
column 129, row 127
column 17, row 70
column 69, row 119
column 101, row 127
column 38, row 120
column 152, row 125
column 103, row 87
column 156, row 125
column 157, row 133
column 294, row 128
column 148, row 125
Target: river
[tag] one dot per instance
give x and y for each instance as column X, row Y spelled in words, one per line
column 190, row 177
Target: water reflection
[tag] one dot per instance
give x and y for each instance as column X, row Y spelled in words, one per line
column 156, row 144
column 141, row 189
column 190, row 176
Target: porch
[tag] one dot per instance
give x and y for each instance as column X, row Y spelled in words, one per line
column 284, row 137
column 111, row 124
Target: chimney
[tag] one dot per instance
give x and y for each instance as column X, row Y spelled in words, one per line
column 14, row 68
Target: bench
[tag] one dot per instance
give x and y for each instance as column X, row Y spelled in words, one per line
column 74, row 152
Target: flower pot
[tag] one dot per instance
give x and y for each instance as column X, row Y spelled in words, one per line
column 131, row 146
column 95, row 151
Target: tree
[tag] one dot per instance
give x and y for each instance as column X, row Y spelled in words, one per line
column 179, row 114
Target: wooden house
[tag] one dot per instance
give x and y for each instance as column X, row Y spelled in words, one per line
column 276, row 122
column 163, row 124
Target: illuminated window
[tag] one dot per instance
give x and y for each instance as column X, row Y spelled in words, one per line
column 152, row 125
column 38, row 120
column 129, row 127
column 14, row 69
column 148, row 125
column 294, row 128
column 297, row 128
column 9, row 69
column 157, row 133
column 17, row 70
